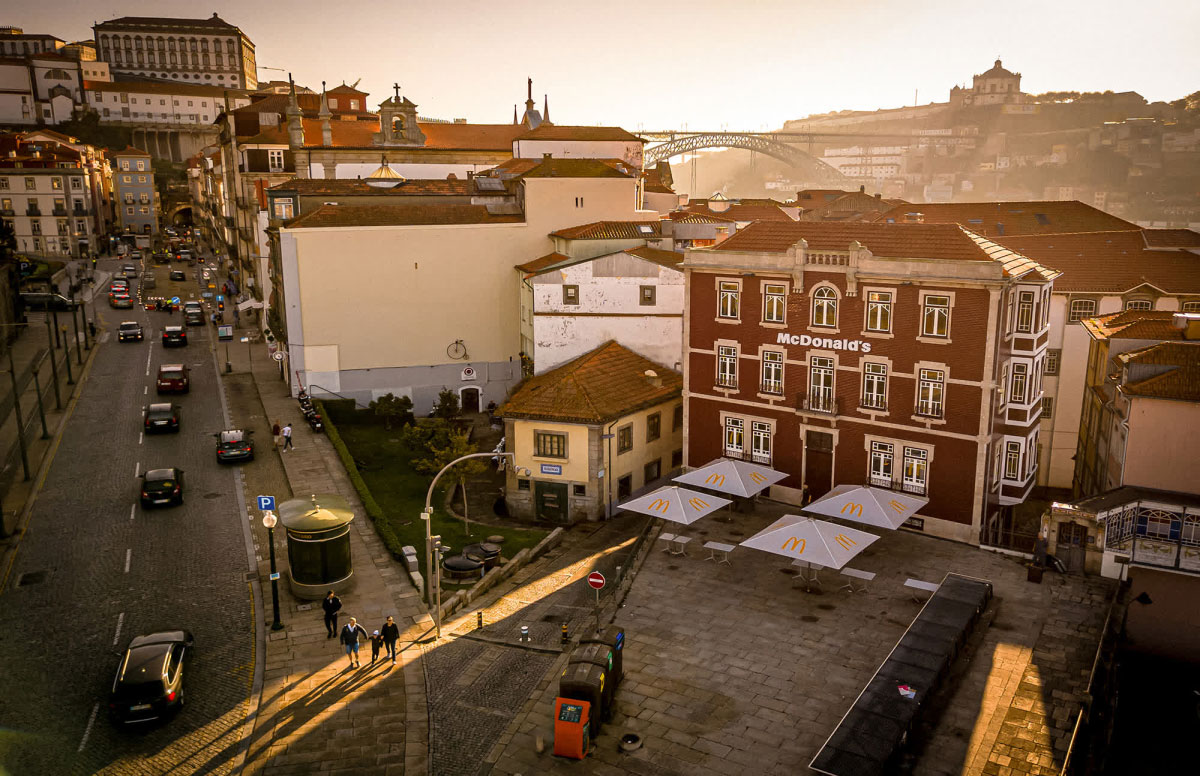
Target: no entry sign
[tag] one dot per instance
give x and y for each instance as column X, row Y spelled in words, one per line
column 596, row 579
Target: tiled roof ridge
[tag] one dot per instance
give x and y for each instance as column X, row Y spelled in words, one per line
column 1165, row 348
column 1014, row 263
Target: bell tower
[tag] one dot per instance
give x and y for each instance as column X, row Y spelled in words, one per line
column 398, row 122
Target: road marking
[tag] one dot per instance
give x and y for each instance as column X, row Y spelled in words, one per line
column 120, row 621
column 137, row 469
column 148, row 354
column 132, row 510
column 88, row 730
column 128, row 557
column 145, row 390
column 141, row 436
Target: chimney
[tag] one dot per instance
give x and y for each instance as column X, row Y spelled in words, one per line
column 722, row 234
column 652, row 378
column 547, row 157
column 862, row 189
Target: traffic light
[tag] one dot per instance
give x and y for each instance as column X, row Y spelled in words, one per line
column 221, row 306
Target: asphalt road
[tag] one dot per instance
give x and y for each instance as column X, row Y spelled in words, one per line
column 95, row 569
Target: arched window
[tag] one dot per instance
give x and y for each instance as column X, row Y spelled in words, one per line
column 397, row 125
column 824, row 307
column 204, row 58
column 204, row 45
column 128, row 42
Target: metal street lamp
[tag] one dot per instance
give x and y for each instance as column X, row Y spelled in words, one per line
column 270, row 521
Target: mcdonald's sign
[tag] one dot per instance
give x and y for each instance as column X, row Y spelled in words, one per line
column 757, row 477
column 660, row 505
column 845, row 541
column 855, row 509
column 697, row 503
column 794, row 544
column 896, row 505
column 715, row 479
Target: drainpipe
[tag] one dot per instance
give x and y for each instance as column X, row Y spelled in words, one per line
column 608, row 474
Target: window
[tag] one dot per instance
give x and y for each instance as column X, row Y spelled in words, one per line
column 3, row 184
column 651, row 471
column 760, row 443
column 570, row 294
column 883, row 456
column 625, row 438
column 653, row 427
column 35, row 227
column 76, row 184
column 549, row 445
column 579, row 490
column 1047, row 407
column 284, row 209
column 1012, row 460
column 145, row 211
column 935, row 320
column 734, row 436
column 1080, row 309
column 874, row 386
column 677, row 419
column 1020, row 375
column 129, row 211
column 930, row 388
column 727, row 366
column 522, row 484
column 64, row 226
column 646, row 295
column 820, row 384
column 916, row 470
column 1138, row 304
column 772, row 372
column 333, row 102
column 1188, row 307
column 774, row 303
column 824, row 310
column 56, row 184
column 6, row 204
column 275, row 160
column 30, row 184
column 1051, row 363
column 728, row 299
column 141, row 179
column 141, row 165
column 879, row 311
column 144, row 199
column 676, row 459
column 1025, row 312
column 625, row 486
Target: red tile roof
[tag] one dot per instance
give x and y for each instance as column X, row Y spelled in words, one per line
column 688, row 217
column 1171, row 238
column 359, row 187
column 580, row 168
column 993, row 219
column 744, row 212
column 130, row 151
column 611, row 230
column 1135, row 324
column 1180, row 381
column 1110, row 262
column 561, row 132
column 603, row 385
column 165, row 22
column 398, row 215
column 471, row 137
column 537, row 265
column 927, row 241
column 668, row 259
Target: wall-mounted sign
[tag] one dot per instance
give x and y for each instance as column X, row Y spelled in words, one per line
column 551, row 468
column 468, row 373
column 916, row 523
column 804, row 341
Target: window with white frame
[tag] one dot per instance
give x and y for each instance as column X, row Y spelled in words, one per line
column 935, row 318
column 727, row 366
column 883, row 459
column 275, row 160
column 735, row 436
column 916, row 470
column 284, row 208
column 760, row 442
column 1047, row 407
column 1020, row 375
column 874, row 386
column 930, row 390
column 1158, row 524
column 1025, row 312
column 774, row 303
column 1138, row 304
column 820, row 383
column 879, row 311
column 1012, row 460
column 824, row 307
column 729, row 299
column 1191, row 307
column 772, row 372
column 1080, row 309
column 1050, row 366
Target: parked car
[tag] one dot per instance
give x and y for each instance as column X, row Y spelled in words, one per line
column 161, row 417
column 149, row 680
column 162, row 486
column 193, row 314
column 44, row 300
column 234, row 445
column 129, row 331
column 173, row 378
column 148, row 280
column 174, row 337
column 178, row 274
column 120, row 301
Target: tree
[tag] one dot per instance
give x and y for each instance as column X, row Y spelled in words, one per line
column 389, row 407
column 444, row 448
column 447, row 405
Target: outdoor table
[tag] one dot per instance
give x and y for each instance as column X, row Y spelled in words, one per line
column 853, row 574
column 678, row 545
column 668, row 538
column 812, row 577
column 718, row 552
column 916, row 584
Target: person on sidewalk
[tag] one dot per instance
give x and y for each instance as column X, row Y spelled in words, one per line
column 286, row 433
column 349, row 639
column 391, row 632
column 376, row 645
column 332, row 604
column 275, row 433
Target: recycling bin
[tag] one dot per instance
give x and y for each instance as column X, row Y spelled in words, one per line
column 614, row 637
column 585, row 682
column 600, row 655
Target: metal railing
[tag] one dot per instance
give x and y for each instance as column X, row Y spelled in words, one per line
column 929, row 409
column 872, row 401
column 819, row 401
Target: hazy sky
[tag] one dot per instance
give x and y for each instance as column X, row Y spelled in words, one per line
column 744, row 64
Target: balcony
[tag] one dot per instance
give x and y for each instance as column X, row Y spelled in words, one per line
column 819, row 402
column 756, row 456
column 727, row 382
column 81, row 211
column 930, row 409
column 903, row 486
column 873, row 403
column 7, row 211
column 59, row 211
column 33, row 211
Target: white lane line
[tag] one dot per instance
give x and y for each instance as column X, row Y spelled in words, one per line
column 137, row 469
column 120, row 621
column 128, row 557
column 88, row 730
column 145, row 390
column 141, row 436
column 148, row 354
column 132, row 510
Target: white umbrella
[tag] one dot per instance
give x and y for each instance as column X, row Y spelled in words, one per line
column 736, row 477
column 816, row 542
column 676, row 504
column 864, row 504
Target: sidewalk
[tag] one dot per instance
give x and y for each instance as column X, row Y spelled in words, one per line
column 312, row 710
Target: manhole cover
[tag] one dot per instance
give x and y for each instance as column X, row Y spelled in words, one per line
column 810, row 618
column 827, row 607
column 31, row 578
column 212, row 495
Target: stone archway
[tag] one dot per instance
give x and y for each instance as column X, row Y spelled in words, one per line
column 470, row 398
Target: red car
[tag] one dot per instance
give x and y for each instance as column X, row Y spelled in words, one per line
column 173, row 378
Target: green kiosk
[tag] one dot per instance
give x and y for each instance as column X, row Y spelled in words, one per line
column 318, row 542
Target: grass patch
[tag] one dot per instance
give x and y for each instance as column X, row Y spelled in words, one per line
column 394, row 494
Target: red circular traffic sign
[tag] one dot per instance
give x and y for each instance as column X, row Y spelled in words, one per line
column 596, row 579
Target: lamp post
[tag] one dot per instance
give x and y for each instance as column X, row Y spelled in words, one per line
column 269, row 520
column 427, row 516
column 53, row 363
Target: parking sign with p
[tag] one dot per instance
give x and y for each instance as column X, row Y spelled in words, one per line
column 266, row 503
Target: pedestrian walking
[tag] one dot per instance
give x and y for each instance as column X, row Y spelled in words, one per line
column 349, row 639
column 391, row 632
column 331, row 605
column 376, row 645
column 92, row 328
column 275, row 433
column 286, row 433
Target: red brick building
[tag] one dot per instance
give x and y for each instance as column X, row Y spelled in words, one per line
column 907, row 356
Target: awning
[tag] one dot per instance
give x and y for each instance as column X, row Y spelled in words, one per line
column 249, row 304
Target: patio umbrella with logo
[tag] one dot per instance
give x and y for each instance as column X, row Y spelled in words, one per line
column 676, row 504
column 738, row 478
column 864, row 504
column 817, row 542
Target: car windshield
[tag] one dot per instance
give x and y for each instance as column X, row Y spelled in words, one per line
column 160, row 409
column 130, row 327
column 228, row 437
column 161, row 477
column 171, row 374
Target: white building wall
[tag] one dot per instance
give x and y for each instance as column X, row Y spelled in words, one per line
column 629, row 151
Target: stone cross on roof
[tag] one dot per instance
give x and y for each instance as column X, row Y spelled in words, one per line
column 396, row 86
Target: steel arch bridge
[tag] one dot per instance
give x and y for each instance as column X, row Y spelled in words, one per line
column 767, row 144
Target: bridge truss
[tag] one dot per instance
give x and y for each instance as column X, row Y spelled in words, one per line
column 769, row 144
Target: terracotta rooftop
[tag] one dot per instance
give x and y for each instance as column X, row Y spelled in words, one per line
column 740, row 211
column 537, row 265
column 579, row 168
column 398, row 215
column 1171, row 238
column 668, row 259
column 473, row 137
column 994, row 219
column 155, row 87
column 688, row 217
column 611, row 230
column 1179, row 381
column 603, row 385
column 561, row 132
column 1135, row 324
column 926, row 241
column 1098, row 262
column 358, row 187
column 130, row 151
column 818, row 197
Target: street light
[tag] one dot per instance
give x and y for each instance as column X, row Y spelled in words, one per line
column 269, row 520
column 427, row 517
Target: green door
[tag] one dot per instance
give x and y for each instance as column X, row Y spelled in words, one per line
column 551, row 501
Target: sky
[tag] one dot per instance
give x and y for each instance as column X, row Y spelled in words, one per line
column 703, row 64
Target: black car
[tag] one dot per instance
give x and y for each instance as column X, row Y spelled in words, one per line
column 149, row 681
column 193, row 314
column 174, row 337
column 178, row 274
column 234, row 445
column 161, row 417
column 162, row 486
column 129, row 331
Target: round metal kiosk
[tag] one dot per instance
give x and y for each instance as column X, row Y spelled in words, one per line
column 318, row 541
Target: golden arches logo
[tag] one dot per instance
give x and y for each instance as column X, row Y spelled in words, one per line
column 659, row 505
column 896, row 505
column 757, row 477
column 855, row 509
column 794, row 544
column 715, row 479
column 697, row 503
column 845, row 541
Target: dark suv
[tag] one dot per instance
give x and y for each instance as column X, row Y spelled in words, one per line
column 193, row 314
column 174, row 337
column 161, row 417
column 149, row 681
column 129, row 331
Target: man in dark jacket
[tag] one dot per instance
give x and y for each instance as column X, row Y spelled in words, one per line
column 349, row 638
column 331, row 605
column 391, row 632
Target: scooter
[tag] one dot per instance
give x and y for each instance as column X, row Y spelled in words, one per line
column 314, row 421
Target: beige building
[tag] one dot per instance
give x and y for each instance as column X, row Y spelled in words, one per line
column 591, row 433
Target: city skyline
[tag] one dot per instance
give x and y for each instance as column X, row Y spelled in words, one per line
column 696, row 68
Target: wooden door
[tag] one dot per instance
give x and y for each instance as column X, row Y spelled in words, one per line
column 818, row 463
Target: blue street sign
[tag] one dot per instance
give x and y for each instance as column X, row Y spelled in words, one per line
column 174, row 300
column 551, row 468
column 206, row 294
column 275, row 576
column 266, row 503
column 220, row 297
